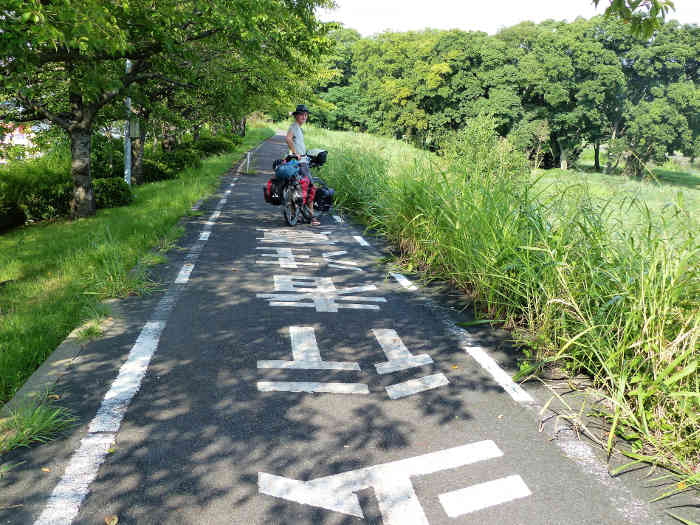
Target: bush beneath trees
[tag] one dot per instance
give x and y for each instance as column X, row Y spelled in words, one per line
column 41, row 189
column 110, row 193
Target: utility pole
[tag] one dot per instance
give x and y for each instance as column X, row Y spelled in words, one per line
column 127, row 134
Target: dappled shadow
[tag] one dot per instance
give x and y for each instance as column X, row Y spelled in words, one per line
column 199, row 432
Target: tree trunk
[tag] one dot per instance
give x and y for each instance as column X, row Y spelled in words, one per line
column 563, row 157
column 137, row 145
column 609, row 167
column 241, row 129
column 83, row 203
column 195, row 133
column 596, row 150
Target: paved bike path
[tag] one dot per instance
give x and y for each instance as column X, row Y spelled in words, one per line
column 403, row 427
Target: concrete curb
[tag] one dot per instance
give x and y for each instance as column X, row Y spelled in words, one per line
column 57, row 364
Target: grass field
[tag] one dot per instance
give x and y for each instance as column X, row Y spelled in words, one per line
column 673, row 205
column 54, row 275
column 594, row 273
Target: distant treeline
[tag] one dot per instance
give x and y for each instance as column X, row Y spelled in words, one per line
column 554, row 88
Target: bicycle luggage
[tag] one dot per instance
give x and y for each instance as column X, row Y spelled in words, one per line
column 272, row 191
column 324, row 198
column 287, row 170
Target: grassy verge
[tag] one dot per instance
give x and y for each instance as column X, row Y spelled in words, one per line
column 36, row 422
column 577, row 284
column 54, row 275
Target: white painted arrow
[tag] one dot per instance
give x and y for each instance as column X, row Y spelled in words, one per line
column 309, row 493
column 391, row 482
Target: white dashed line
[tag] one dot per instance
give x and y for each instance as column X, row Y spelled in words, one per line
column 360, row 240
column 403, row 281
column 64, row 503
column 499, row 375
column 184, row 274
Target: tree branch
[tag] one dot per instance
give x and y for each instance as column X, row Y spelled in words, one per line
column 62, row 119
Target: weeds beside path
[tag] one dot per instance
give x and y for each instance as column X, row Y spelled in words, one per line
column 54, row 275
column 581, row 284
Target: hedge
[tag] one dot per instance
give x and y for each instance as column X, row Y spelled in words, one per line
column 41, row 189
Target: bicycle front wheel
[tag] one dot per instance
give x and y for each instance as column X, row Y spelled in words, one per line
column 290, row 209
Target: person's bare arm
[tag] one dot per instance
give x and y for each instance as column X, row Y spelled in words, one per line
column 290, row 143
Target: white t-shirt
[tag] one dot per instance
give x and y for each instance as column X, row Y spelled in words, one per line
column 297, row 138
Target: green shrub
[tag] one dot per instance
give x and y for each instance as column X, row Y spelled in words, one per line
column 156, row 170
column 106, row 157
column 11, row 216
column 40, row 188
column 181, row 158
column 47, row 200
column 110, row 193
column 213, row 145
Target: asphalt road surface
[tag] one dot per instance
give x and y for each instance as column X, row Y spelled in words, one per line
column 284, row 377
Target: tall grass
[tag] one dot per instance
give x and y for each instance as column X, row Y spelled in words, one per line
column 53, row 275
column 577, row 287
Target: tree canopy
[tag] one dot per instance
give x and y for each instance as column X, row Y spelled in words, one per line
column 585, row 82
column 192, row 63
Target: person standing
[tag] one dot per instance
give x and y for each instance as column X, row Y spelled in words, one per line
column 295, row 141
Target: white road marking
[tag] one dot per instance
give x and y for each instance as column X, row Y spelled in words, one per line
column 338, row 219
column 481, row 356
column 304, row 386
column 344, row 264
column 228, row 192
column 306, row 354
column 343, row 267
column 286, row 258
column 403, row 281
column 320, row 291
column 391, row 482
column 360, row 240
column 334, row 254
column 64, row 503
column 414, row 386
column 184, row 274
column 483, row 495
column 128, row 381
column 499, row 375
column 294, row 237
column 398, row 356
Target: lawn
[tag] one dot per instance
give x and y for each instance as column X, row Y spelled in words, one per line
column 53, row 275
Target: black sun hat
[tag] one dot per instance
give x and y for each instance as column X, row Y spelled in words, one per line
column 301, row 108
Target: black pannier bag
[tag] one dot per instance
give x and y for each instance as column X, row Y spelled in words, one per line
column 324, row 198
column 317, row 156
column 272, row 192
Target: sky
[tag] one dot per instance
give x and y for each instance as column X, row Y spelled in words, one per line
column 374, row 16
